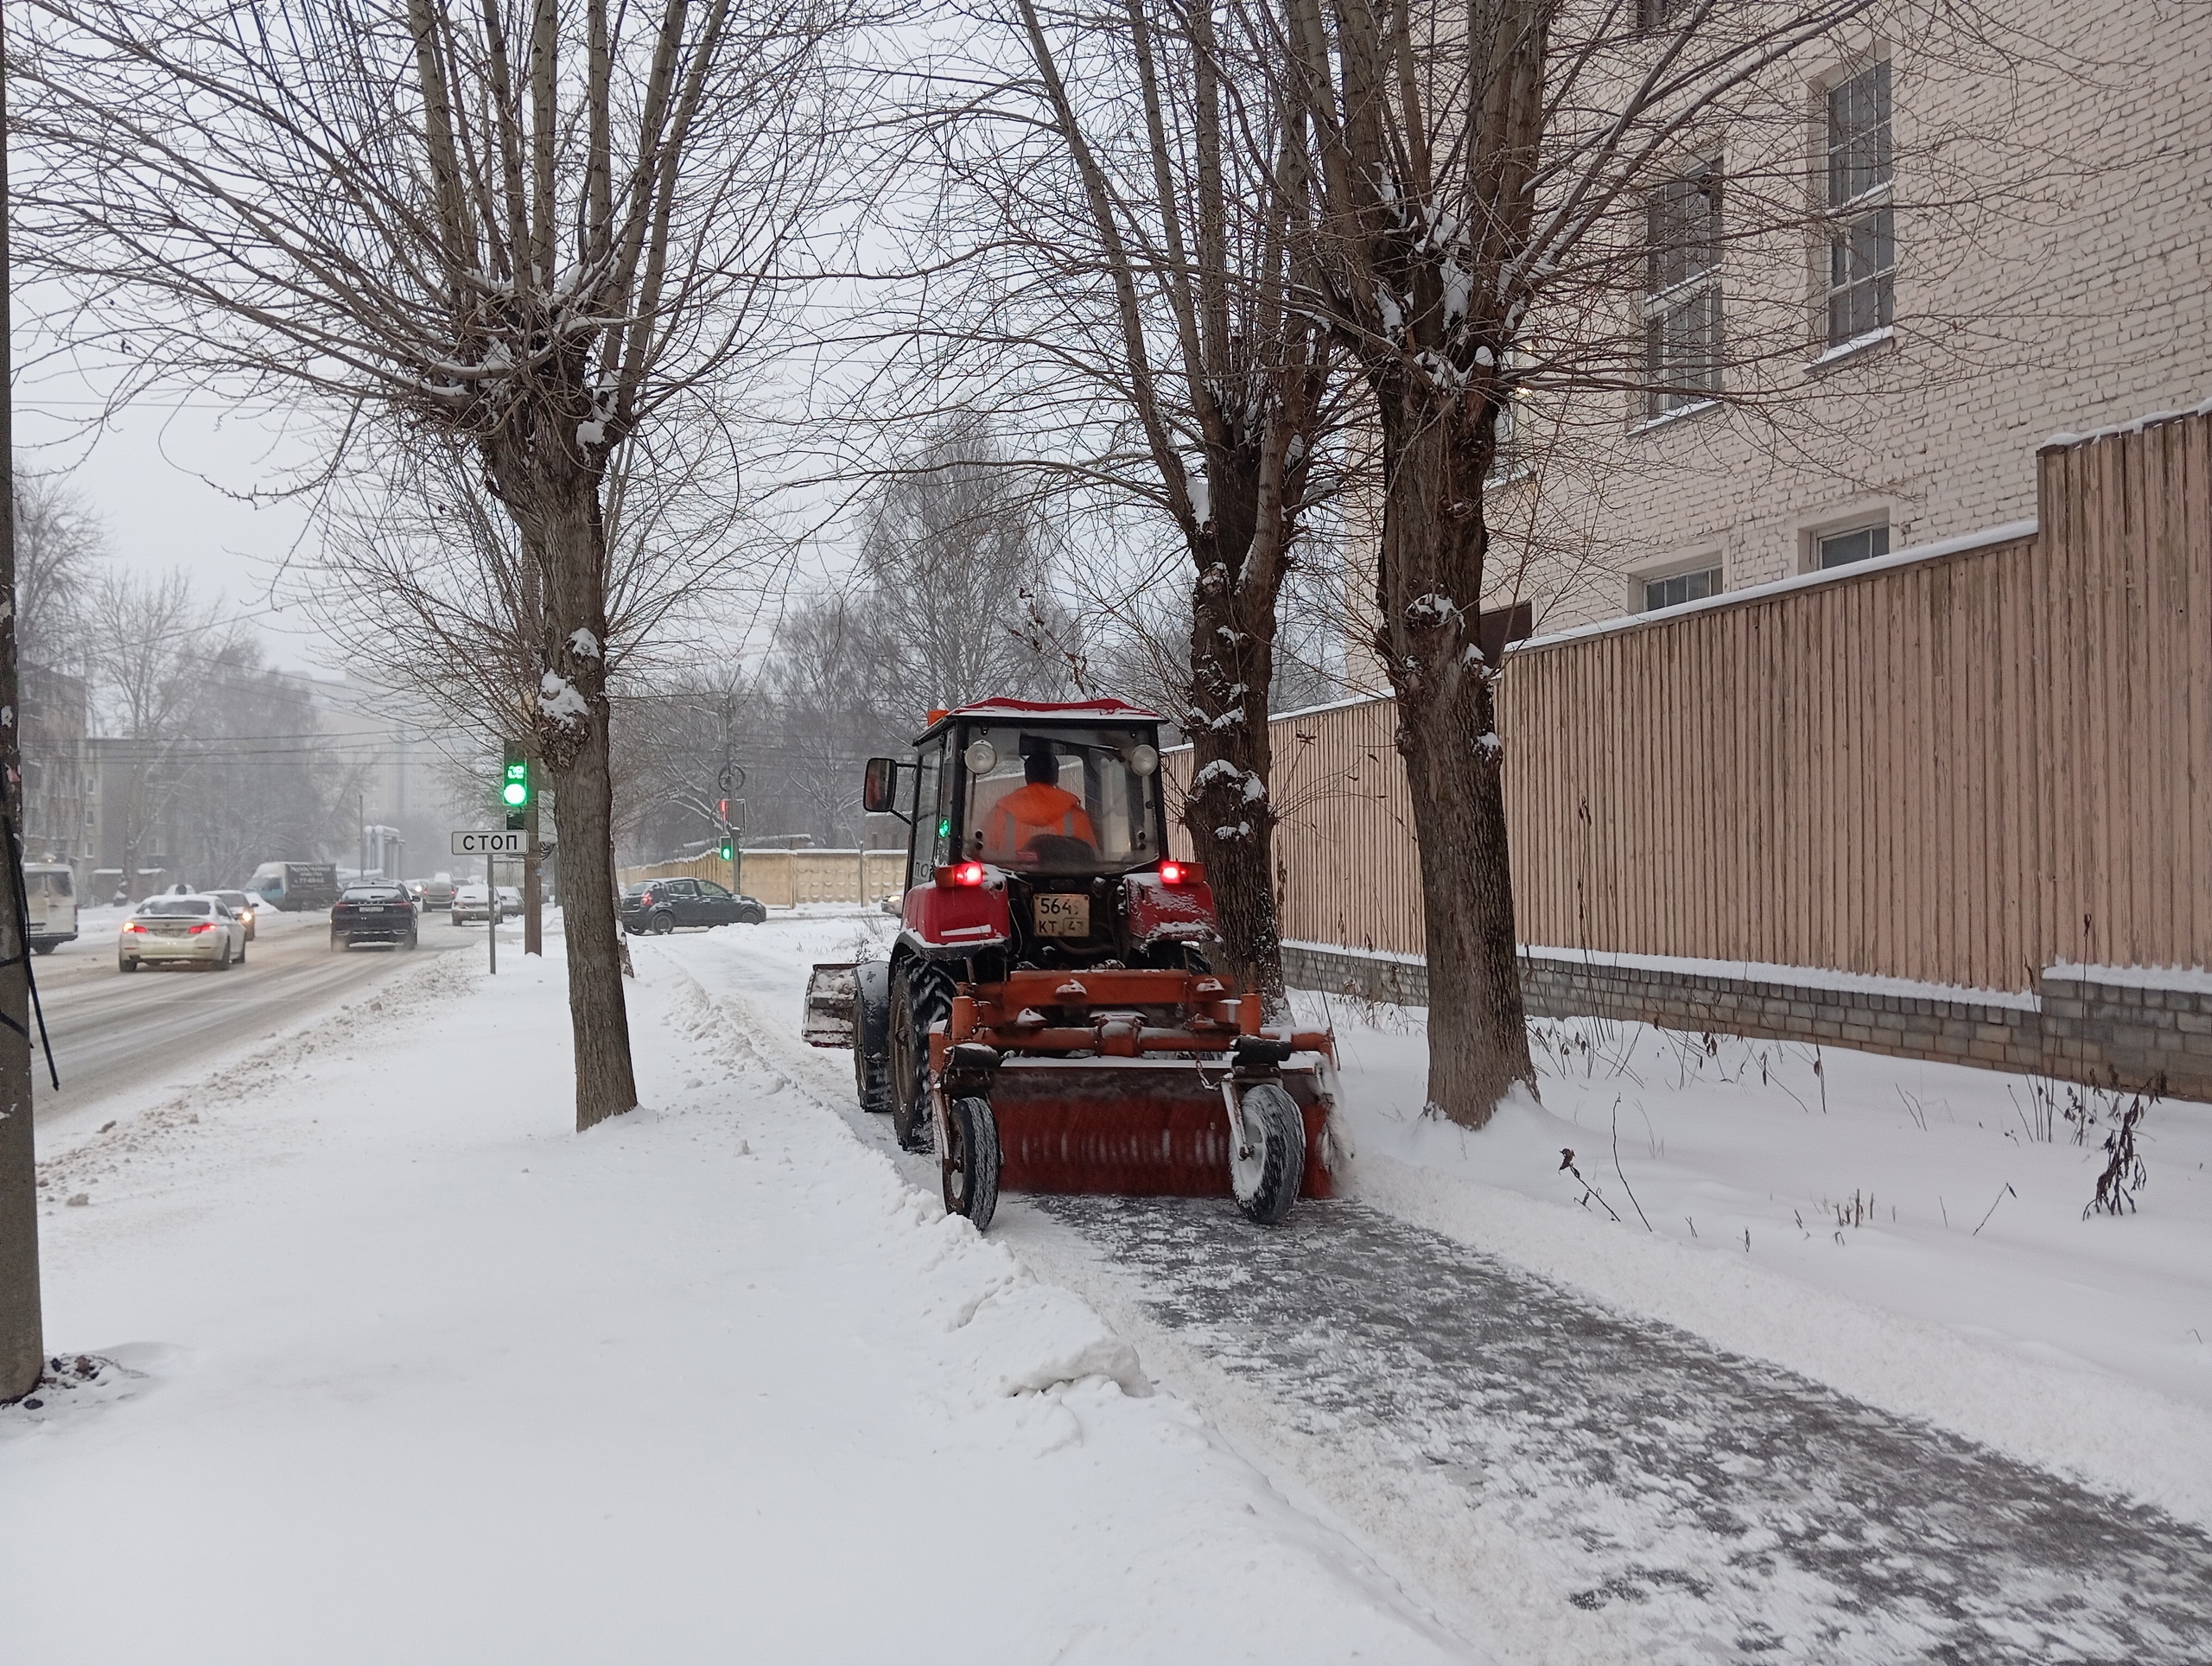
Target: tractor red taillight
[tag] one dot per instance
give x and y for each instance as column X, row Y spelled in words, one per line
column 1181, row 873
column 966, row 873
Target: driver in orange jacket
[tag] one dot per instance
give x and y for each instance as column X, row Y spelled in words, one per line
column 1040, row 806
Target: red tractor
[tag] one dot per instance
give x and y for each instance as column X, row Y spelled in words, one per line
column 1049, row 1019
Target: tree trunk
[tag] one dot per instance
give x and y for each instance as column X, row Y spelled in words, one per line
column 583, row 815
column 1429, row 587
column 1232, row 825
column 553, row 494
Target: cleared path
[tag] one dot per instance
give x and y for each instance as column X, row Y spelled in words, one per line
column 1708, row 1506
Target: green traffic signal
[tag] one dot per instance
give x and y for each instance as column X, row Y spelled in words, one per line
column 726, row 850
column 516, row 791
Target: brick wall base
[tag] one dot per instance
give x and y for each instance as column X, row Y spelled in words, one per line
column 2079, row 1028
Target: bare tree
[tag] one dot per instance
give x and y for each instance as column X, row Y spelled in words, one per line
column 954, row 576
column 155, row 645
column 1494, row 185
column 59, row 544
column 1129, row 213
column 550, row 232
column 252, row 778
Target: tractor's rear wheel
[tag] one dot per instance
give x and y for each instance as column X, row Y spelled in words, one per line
column 1265, row 1171
column 920, row 996
column 971, row 1162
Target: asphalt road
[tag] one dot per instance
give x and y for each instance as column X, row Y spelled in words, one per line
column 1699, row 1505
column 112, row 1032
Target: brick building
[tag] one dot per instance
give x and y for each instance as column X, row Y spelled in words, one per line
column 1990, row 261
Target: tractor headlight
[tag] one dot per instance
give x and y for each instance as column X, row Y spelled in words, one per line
column 981, row 757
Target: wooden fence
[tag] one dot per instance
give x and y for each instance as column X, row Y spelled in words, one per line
column 1958, row 769
column 784, row 878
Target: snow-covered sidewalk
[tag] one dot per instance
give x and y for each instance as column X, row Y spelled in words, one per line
column 406, row 1369
column 2076, row 1345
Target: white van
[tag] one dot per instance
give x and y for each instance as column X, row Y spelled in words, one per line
column 50, row 890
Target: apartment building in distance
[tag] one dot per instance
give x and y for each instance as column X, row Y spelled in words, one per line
column 58, row 823
column 1988, row 261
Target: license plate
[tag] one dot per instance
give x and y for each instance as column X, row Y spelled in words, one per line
column 1063, row 916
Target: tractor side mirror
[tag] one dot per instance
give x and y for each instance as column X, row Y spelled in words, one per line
column 879, row 787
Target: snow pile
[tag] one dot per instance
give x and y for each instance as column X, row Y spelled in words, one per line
column 560, row 699
column 403, row 1368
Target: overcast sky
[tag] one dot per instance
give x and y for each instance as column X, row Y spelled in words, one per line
column 161, row 480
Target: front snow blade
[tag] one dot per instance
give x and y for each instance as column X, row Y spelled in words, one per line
column 831, row 990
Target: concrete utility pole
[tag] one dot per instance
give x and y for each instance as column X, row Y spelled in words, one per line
column 22, row 1339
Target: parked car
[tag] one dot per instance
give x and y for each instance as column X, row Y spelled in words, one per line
column 663, row 905
column 189, row 929
column 373, row 911
column 239, row 904
column 510, row 902
column 470, row 902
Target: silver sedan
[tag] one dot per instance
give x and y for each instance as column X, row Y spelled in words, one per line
column 188, row 930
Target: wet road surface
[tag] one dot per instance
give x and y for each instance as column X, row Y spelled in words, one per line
column 112, row 1031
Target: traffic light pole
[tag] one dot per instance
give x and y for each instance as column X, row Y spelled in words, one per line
column 22, row 1343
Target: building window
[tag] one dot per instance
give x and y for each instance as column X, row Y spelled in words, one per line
column 1682, row 285
column 1860, row 544
column 1862, row 235
column 1498, row 629
column 1677, row 588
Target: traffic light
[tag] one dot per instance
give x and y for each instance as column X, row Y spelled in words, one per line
column 514, row 788
column 728, row 846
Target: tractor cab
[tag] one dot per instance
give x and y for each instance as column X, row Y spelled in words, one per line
column 1038, row 836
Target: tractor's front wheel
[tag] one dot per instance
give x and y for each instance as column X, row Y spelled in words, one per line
column 921, row 995
column 970, row 1162
column 870, row 1073
column 1269, row 1161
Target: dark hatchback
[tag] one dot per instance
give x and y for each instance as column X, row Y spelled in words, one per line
column 372, row 913
column 663, row 905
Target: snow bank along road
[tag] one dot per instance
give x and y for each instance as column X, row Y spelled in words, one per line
column 112, row 1032
column 1569, row 1482
column 382, row 1362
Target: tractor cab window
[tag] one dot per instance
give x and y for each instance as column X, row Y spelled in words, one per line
column 932, row 837
column 1056, row 802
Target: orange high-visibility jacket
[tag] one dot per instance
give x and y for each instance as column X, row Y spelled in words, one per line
column 1038, row 807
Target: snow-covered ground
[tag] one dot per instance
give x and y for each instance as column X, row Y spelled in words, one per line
column 404, row 1370
column 2080, row 1345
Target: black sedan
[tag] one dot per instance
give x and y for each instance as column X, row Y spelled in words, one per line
column 372, row 913
column 663, row 905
